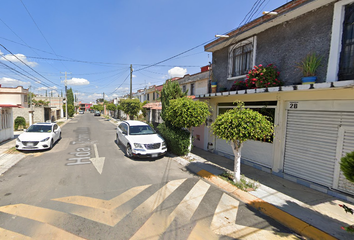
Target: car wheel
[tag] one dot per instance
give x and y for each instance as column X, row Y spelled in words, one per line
column 117, row 139
column 129, row 151
column 51, row 144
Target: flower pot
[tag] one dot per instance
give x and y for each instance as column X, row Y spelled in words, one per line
column 213, row 88
column 309, row 80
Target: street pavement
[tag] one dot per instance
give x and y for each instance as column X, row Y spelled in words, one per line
column 308, row 212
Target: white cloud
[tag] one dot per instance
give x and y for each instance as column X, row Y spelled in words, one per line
column 15, row 58
column 10, row 82
column 177, row 72
column 77, row 82
column 46, row 88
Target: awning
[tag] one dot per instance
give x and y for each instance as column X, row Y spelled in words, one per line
column 11, row 105
column 155, row 105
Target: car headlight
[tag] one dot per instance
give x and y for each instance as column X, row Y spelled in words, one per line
column 18, row 139
column 138, row 145
column 44, row 140
column 163, row 144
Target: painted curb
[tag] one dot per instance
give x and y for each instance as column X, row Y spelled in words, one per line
column 268, row 209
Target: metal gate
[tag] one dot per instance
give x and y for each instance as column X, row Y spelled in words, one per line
column 311, row 144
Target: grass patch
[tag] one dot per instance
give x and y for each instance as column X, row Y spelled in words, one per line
column 12, row 150
column 243, row 184
column 60, row 123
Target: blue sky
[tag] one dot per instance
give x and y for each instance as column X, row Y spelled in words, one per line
column 96, row 41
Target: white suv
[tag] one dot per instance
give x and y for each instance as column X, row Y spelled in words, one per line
column 140, row 140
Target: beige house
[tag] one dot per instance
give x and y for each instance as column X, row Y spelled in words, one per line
column 10, row 98
column 314, row 123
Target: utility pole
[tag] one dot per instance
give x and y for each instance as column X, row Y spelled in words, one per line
column 66, row 96
column 31, row 108
column 131, row 81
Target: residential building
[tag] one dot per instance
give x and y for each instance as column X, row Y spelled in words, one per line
column 10, row 98
column 314, row 123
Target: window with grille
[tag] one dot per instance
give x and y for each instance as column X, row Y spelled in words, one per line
column 346, row 66
column 241, row 58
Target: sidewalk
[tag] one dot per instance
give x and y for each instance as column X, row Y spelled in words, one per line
column 307, row 211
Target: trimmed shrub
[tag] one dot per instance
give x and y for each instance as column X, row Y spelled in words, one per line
column 20, row 121
column 347, row 166
column 177, row 140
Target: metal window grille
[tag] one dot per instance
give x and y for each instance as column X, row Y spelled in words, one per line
column 346, row 66
column 242, row 60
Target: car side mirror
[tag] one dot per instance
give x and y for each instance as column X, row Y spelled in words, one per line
column 25, row 130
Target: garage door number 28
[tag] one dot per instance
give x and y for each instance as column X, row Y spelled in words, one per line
column 293, row 105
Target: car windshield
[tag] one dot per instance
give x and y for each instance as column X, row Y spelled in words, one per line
column 40, row 128
column 141, row 130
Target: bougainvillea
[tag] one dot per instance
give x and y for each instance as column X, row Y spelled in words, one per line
column 261, row 77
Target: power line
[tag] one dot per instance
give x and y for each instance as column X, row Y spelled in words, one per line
column 26, row 64
column 39, row 30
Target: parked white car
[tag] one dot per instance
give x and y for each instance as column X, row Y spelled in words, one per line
column 140, row 140
column 39, row 136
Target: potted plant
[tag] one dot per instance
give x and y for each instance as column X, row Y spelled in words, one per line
column 309, row 66
column 238, row 85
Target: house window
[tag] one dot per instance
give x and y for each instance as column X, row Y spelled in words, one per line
column 192, row 88
column 346, row 65
column 184, row 88
column 153, row 96
column 241, row 58
column 148, row 96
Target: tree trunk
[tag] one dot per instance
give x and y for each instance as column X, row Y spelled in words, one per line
column 236, row 148
column 190, row 142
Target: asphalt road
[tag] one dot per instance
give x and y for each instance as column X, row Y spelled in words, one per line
column 85, row 188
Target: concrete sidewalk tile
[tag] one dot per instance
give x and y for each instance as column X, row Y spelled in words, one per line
column 270, row 210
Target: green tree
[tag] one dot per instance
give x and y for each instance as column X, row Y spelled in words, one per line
column 111, row 107
column 70, row 97
column 171, row 90
column 144, row 109
column 239, row 125
column 131, row 107
column 187, row 113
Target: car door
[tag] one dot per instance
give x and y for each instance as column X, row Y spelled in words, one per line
column 54, row 133
column 57, row 131
column 121, row 131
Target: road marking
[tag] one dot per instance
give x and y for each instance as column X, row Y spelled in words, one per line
column 42, row 215
column 202, row 232
column 104, row 204
column 111, row 216
column 160, row 221
column 97, row 161
column 7, row 234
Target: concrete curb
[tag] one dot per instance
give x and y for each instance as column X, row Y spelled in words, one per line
column 268, row 209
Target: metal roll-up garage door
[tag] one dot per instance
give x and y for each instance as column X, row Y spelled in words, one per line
column 311, row 142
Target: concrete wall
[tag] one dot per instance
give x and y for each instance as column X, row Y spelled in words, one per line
column 38, row 115
column 285, row 45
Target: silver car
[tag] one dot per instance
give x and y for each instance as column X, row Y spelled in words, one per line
column 140, row 140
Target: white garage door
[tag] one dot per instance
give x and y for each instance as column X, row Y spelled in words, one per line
column 311, row 143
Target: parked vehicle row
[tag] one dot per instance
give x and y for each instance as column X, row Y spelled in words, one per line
column 138, row 138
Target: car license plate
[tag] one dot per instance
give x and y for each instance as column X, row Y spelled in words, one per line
column 29, row 144
column 154, row 155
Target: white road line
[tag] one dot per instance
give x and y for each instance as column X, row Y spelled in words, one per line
column 160, row 221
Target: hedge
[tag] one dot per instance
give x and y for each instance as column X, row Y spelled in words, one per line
column 20, row 121
column 177, row 140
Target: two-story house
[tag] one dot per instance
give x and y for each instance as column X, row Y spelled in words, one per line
column 314, row 123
